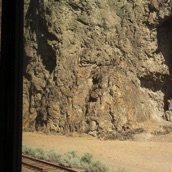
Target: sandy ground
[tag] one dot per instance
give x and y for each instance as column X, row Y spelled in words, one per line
column 146, row 153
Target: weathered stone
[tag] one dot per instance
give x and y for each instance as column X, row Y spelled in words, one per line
column 93, row 133
column 93, row 126
column 92, row 66
column 169, row 115
column 170, row 105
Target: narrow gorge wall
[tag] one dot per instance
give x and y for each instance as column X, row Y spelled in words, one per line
column 92, row 66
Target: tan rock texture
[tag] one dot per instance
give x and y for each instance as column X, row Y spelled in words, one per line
column 92, row 66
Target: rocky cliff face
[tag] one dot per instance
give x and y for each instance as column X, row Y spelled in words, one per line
column 92, row 66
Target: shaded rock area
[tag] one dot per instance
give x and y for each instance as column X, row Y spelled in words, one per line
column 95, row 66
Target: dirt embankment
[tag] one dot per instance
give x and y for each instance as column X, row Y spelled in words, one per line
column 146, row 153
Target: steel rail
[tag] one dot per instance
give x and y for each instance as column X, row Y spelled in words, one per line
column 46, row 164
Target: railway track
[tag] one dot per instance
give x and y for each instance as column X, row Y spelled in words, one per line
column 30, row 164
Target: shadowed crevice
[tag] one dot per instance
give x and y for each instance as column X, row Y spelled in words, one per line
column 158, row 81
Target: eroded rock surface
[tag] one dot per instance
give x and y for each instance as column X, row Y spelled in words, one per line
column 92, row 66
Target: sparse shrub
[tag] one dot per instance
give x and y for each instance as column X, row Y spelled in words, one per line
column 39, row 153
column 70, row 159
column 86, row 158
column 53, row 156
column 28, row 151
column 97, row 166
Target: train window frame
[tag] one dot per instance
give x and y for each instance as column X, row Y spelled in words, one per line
column 11, row 84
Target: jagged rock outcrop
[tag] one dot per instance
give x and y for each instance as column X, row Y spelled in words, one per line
column 92, row 66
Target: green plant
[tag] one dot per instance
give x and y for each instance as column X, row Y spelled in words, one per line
column 52, row 156
column 97, row 166
column 86, row 158
column 71, row 159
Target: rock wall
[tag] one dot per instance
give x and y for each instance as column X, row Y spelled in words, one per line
column 92, row 66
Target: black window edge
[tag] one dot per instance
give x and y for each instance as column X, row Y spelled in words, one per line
column 11, row 62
